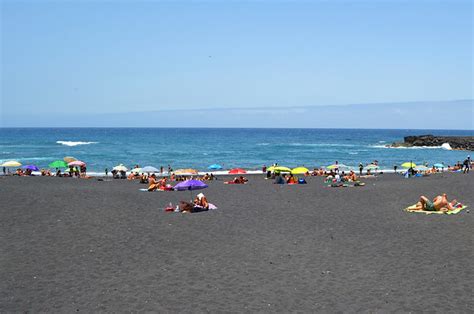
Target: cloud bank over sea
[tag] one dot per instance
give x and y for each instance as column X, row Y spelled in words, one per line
column 414, row 115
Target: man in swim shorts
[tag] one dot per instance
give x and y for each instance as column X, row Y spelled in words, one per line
column 439, row 203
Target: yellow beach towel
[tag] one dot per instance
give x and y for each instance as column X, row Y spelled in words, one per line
column 451, row 212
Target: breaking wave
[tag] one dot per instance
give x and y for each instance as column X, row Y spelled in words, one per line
column 413, row 147
column 71, row 143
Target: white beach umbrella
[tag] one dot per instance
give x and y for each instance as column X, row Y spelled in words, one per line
column 120, row 167
column 149, row 169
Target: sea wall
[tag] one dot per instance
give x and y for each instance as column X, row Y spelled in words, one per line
column 456, row 142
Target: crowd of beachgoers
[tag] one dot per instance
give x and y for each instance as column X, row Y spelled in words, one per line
column 335, row 175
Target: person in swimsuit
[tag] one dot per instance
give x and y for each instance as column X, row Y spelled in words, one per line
column 439, row 203
column 201, row 201
column 153, row 185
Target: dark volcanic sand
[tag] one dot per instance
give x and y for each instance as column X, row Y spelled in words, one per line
column 84, row 245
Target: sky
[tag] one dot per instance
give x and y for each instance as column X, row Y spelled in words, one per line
column 104, row 57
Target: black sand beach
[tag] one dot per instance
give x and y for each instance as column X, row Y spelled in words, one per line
column 84, row 245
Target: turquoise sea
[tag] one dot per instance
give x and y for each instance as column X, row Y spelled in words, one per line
column 104, row 148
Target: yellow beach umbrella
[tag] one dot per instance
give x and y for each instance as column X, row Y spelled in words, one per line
column 188, row 171
column 299, row 170
column 69, row 159
column 279, row 169
column 408, row 165
column 11, row 163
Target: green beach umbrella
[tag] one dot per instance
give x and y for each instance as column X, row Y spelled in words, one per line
column 409, row 165
column 58, row 164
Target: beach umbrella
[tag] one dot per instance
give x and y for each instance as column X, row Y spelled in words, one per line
column 76, row 163
column 214, row 167
column 279, row 169
column 11, row 163
column 69, row 159
column 188, row 171
column 31, row 167
column 299, row 170
column 421, row 168
column 439, row 166
column 372, row 167
column 150, row 169
column 120, row 167
column 409, row 165
column 237, row 171
column 58, row 164
column 190, row 185
column 339, row 166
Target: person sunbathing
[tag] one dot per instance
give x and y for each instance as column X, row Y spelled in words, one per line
column 239, row 180
column 152, row 184
column 201, row 201
column 143, row 178
column 439, row 203
column 351, row 177
column 292, row 180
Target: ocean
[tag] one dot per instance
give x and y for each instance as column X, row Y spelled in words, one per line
column 198, row 148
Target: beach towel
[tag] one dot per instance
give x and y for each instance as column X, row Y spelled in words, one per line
column 457, row 210
column 232, row 182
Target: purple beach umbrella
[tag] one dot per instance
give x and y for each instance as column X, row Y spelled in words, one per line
column 31, row 167
column 190, row 185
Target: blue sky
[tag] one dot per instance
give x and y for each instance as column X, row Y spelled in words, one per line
column 104, row 56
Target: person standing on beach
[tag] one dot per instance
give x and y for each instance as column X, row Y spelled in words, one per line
column 361, row 167
column 106, row 172
column 161, row 170
column 466, row 166
column 395, row 168
column 4, row 171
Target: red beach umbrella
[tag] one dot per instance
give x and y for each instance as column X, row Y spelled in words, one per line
column 237, row 171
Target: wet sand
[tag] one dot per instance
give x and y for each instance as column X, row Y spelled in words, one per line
column 84, row 245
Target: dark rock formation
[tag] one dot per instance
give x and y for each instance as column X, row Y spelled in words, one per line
column 456, row 142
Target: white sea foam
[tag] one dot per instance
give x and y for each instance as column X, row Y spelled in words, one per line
column 71, row 143
column 322, row 145
column 263, row 144
column 402, row 147
column 446, row 146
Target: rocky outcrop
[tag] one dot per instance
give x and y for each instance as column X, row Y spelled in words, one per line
column 455, row 142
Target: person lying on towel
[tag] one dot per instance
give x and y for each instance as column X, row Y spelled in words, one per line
column 439, row 203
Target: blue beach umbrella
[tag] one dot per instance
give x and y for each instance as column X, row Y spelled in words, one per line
column 149, row 169
column 439, row 166
column 31, row 167
column 214, row 167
